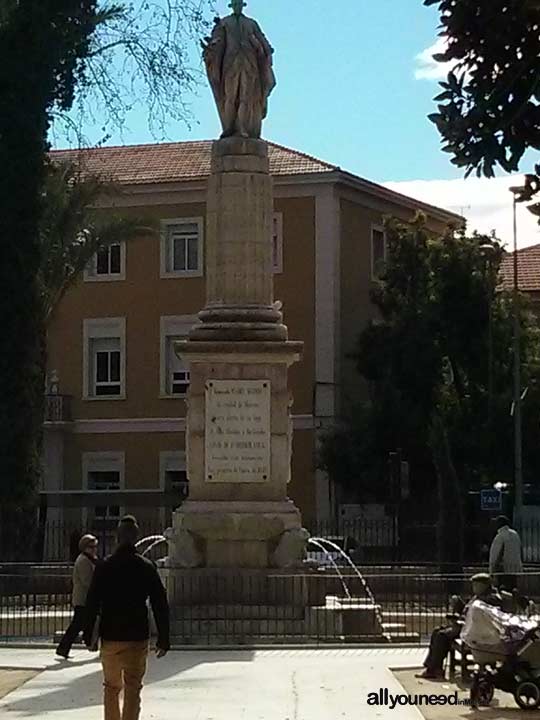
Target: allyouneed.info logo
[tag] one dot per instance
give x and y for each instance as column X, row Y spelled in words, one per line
column 383, row 697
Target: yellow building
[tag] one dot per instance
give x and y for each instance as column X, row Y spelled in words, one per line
column 114, row 431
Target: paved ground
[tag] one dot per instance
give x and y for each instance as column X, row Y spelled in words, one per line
column 503, row 706
column 12, row 679
column 223, row 685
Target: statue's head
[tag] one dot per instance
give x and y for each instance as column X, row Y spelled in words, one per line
column 237, row 6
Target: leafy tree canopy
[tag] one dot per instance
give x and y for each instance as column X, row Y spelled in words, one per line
column 489, row 111
column 426, row 362
column 73, row 229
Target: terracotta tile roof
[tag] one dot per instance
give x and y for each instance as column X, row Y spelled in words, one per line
column 179, row 162
column 528, row 269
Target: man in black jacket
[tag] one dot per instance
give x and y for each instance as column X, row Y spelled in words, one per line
column 118, row 594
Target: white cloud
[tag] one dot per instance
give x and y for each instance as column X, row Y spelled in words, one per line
column 427, row 68
column 486, row 203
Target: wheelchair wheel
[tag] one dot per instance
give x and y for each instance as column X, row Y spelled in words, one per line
column 482, row 691
column 527, row 695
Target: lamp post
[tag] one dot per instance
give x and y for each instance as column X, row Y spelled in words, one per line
column 488, row 251
column 518, row 464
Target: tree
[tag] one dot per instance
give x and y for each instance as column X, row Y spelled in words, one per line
column 72, row 230
column 489, row 113
column 54, row 53
column 35, row 76
column 140, row 57
column 425, row 360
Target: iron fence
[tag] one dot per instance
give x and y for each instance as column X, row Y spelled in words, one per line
column 58, row 542
column 212, row 608
column 368, row 541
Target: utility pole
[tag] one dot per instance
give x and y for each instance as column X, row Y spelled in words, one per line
column 518, row 459
column 488, row 251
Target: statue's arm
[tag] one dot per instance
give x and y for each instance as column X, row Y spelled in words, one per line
column 214, row 46
column 263, row 42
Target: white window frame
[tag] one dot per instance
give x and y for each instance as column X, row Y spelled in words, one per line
column 104, row 461
column 94, row 329
column 91, row 274
column 165, row 254
column 277, row 224
column 170, row 460
column 177, row 327
column 374, row 229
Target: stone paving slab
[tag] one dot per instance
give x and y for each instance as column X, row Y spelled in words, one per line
column 12, row 679
column 281, row 684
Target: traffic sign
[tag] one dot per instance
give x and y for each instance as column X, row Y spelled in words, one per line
column 491, row 500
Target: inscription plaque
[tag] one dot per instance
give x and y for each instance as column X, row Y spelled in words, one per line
column 237, row 442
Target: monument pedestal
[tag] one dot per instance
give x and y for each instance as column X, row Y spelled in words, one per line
column 235, row 534
column 239, row 459
column 239, row 426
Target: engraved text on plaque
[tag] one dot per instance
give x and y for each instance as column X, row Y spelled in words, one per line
column 237, row 431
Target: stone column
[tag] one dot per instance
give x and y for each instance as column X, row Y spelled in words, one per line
column 238, row 438
column 240, row 206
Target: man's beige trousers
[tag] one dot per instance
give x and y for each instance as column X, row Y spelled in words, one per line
column 124, row 666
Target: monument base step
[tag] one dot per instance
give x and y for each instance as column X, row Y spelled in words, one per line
column 398, row 633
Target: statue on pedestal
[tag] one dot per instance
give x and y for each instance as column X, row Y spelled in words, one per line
column 238, row 60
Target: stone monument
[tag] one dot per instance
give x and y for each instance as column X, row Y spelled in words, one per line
column 239, row 429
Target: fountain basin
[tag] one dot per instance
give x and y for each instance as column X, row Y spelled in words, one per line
column 350, row 618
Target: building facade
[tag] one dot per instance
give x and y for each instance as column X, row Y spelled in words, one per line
column 116, row 404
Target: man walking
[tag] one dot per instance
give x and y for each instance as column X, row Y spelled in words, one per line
column 505, row 555
column 118, row 594
column 83, row 571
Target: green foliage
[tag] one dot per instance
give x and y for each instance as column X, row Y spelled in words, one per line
column 54, row 54
column 72, row 230
column 489, row 113
column 426, row 362
column 42, row 43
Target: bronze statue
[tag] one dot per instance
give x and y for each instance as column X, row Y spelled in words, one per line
column 238, row 60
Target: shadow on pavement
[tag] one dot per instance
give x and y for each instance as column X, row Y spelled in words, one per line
column 76, row 688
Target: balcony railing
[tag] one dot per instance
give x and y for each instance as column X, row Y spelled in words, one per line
column 57, row 408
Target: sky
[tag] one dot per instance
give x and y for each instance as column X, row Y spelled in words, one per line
column 355, row 86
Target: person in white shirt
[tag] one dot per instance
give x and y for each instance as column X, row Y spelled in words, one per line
column 505, row 562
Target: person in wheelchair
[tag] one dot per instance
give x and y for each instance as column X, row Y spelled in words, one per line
column 443, row 637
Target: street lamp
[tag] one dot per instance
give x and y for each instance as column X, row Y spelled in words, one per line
column 517, row 193
column 489, row 251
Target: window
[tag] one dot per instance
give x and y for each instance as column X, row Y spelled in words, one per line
column 173, row 481
column 174, row 371
column 378, row 252
column 108, row 260
column 106, row 367
column 181, row 247
column 103, row 481
column 177, row 381
column 107, row 264
column 176, row 482
column 103, row 474
column 277, row 243
column 104, row 359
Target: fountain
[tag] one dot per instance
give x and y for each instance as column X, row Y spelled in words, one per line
column 350, row 617
column 154, row 541
column 319, row 542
